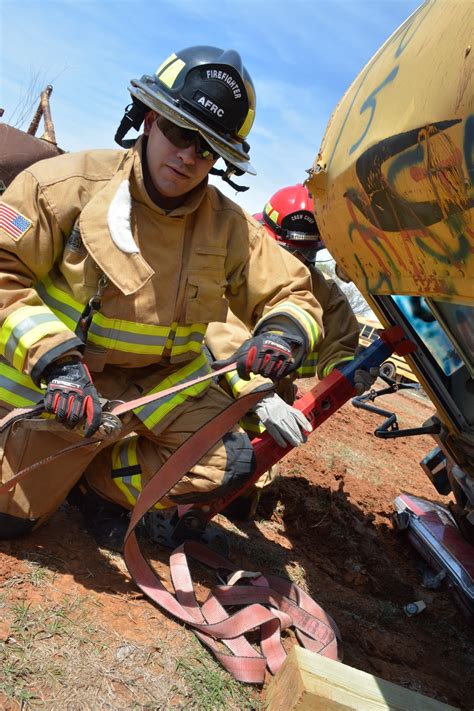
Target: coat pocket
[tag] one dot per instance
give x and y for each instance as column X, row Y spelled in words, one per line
column 95, row 357
column 205, row 297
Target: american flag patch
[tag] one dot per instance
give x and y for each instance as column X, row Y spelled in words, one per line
column 12, row 222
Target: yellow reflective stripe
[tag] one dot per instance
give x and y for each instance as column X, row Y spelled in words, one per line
column 16, row 318
column 252, row 425
column 124, row 336
column 130, row 326
column 25, row 327
column 169, row 405
column 123, row 347
column 129, row 449
column 116, row 462
column 308, row 323
column 309, row 365
column 185, row 331
column 244, row 130
column 170, row 59
column 330, row 367
column 24, row 380
column 152, row 413
column 62, row 296
column 32, row 337
column 132, row 451
column 236, row 383
column 129, row 484
column 305, row 371
column 17, row 389
column 270, row 210
column 119, row 482
column 136, row 482
column 168, row 74
column 15, row 400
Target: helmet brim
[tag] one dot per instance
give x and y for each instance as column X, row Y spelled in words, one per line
column 159, row 102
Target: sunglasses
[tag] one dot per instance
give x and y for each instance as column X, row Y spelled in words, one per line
column 185, row 137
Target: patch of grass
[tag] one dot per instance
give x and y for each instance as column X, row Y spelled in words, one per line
column 297, row 574
column 212, row 688
column 357, row 463
column 59, row 658
column 37, row 575
column 22, row 669
column 265, row 555
column 387, row 612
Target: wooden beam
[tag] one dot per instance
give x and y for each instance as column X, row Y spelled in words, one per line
column 309, row 682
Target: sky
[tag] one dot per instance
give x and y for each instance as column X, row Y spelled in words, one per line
column 302, row 56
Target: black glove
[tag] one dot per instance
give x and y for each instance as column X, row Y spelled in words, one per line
column 71, row 395
column 364, row 379
column 268, row 354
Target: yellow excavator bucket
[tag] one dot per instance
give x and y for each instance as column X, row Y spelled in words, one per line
column 393, row 181
column 394, row 200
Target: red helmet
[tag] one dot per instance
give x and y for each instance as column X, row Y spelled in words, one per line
column 289, row 218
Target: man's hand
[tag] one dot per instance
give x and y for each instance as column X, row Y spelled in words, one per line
column 71, row 395
column 268, row 354
column 364, row 379
column 284, row 423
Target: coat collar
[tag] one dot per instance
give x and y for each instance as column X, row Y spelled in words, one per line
column 105, row 223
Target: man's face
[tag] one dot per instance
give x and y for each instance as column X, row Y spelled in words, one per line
column 173, row 171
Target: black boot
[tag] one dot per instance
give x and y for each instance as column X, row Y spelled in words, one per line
column 105, row 521
column 243, row 508
column 168, row 529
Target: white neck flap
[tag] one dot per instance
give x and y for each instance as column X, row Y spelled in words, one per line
column 118, row 220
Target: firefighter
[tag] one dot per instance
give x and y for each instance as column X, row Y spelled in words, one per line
column 113, row 263
column 289, row 219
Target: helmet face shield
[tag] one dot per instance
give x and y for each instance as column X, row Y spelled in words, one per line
column 205, row 89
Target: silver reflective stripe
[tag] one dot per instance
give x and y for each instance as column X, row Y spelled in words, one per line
column 195, row 337
column 23, row 327
column 53, row 303
column 111, row 333
column 127, row 481
column 17, row 389
column 118, row 335
column 152, row 413
column 20, row 390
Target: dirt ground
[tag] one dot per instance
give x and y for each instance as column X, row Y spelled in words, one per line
column 75, row 633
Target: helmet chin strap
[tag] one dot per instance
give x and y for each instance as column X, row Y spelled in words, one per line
column 225, row 175
column 133, row 118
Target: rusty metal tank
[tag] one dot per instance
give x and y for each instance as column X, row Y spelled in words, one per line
column 20, row 149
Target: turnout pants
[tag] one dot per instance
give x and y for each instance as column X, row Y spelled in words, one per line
column 117, row 469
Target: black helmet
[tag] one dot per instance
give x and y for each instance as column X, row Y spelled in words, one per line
column 209, row 90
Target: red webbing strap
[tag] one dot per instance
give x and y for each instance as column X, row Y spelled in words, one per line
column 125, row 407
column 285, row 604
column 27, row 412
column 11, row 483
